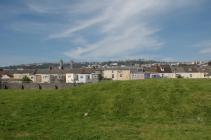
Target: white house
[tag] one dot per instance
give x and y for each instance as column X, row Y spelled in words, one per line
column 191, row 75
column 187, row 72
column 71, row 78
column 84, row 78
column 81, row 78
column 137, row 76
column 167, row 75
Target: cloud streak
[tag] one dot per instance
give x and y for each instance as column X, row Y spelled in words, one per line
column 119, row 27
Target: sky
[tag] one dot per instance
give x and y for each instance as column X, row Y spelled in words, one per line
column 33, row 31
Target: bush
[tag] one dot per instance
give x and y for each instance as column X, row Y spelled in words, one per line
column 26, row 79
column 179, row 76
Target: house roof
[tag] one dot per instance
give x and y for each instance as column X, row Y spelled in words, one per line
column 117, row 68
column 127, row 69
column 5, row 73
column 184, row 69
column 151, row 69
column 26, row 71
column 164, row 69
column 64, row 71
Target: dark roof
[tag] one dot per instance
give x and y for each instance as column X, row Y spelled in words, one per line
column 185, row 69
column 117, row 68
column 126, row 68
column 190, row 69
column 22, row 71
column 164, row 69
column 152, row 69
column 64, row 71
column 5, row 73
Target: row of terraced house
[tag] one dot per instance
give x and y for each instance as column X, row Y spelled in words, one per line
column 87, row 75
column 157, row 71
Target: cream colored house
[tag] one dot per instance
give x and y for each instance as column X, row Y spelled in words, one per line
column 50, row 76
column 117, row 74
column 19, row 76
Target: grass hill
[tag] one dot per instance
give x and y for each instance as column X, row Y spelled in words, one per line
column 129, row 110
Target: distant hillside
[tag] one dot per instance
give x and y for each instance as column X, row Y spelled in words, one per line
column 128, row 110
column 79, row 64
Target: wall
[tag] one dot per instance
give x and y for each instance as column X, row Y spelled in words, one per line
column 36, row 86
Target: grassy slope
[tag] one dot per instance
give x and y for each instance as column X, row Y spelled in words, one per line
column 151, row 109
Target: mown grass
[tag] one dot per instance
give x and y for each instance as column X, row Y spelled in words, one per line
column 149, row 110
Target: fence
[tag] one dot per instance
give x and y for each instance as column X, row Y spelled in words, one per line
column 36, row 86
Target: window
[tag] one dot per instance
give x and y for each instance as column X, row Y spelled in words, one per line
column 191, row 75
column 81, row 76
column 112, row 75
column 45, row 77
column 88, row 77
column 121, row 75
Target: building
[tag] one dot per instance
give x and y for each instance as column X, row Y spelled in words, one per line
column 137, row 76
column 164, row 71
column 125, row 74
column 51, row 75
column 20, row 74
column 187, row 72
column 117, row 74
column 82, row 76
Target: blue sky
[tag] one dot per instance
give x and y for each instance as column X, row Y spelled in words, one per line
column 96, row 30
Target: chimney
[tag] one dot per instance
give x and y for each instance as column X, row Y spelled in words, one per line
column 61, row 65
column 71, row 64
column 50, row 68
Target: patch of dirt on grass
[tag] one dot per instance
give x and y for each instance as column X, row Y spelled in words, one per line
column 22, row 134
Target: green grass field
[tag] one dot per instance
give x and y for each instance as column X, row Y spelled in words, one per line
column 130, row 110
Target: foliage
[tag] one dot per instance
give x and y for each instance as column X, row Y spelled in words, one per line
column 179, row 76
column 163, row 109
column 26, row 79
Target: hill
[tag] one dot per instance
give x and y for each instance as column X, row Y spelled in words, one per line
column 128, row 110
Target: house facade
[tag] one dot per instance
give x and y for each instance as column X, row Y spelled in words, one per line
column 117, row 74
column 50, row 76
column 139, row 76
column 191, row 75
column 82, row 78
column 188, row 72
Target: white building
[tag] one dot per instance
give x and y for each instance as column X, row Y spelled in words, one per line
column 191, row 75
column 71, row 78
column 188, row 72
column 167, row 75
column 82, row 78
column 137, row 76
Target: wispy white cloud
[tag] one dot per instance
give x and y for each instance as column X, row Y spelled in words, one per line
column 125, row 27
column 121, row 27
